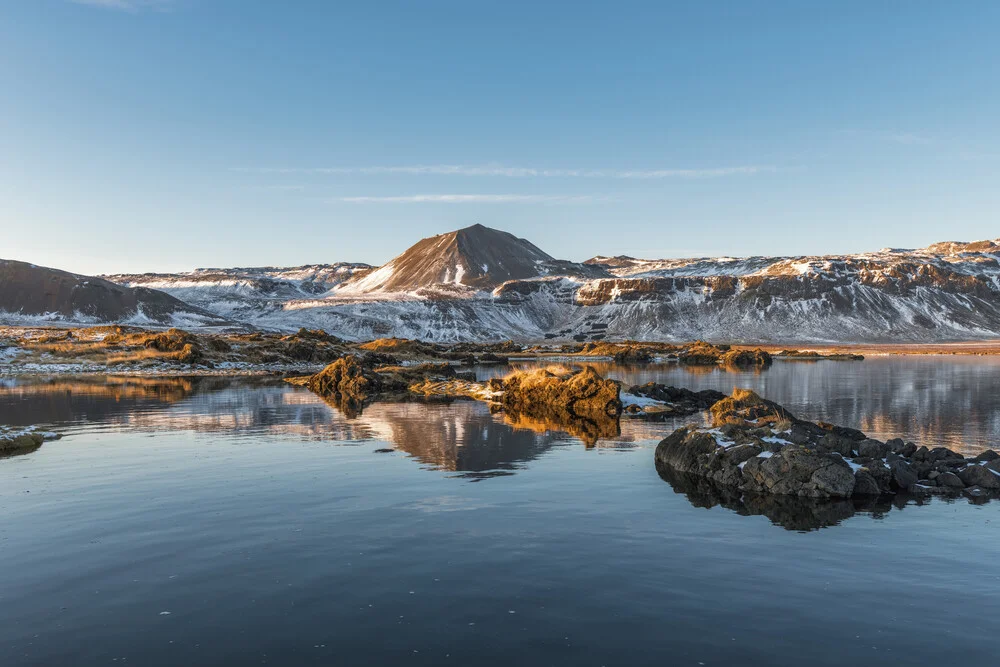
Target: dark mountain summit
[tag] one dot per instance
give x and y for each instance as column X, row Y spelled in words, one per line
column 35, row 291
column 475, row 256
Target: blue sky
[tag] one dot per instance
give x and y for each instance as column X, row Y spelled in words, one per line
column 143, row 135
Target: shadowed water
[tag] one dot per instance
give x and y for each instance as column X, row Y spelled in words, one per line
column 233, row 522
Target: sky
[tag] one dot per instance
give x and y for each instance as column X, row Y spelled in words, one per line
column 163, row 135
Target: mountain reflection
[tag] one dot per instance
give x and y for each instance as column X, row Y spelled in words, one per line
column 459, row 436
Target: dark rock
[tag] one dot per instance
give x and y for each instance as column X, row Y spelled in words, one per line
column 978, row 475
column 800, row 472
column 988, row 455
column 895, row 445
column 835, row 443
column 950, row 480
column 865, row 484
column 903, row 476
column 873, row 449
column 682, row 449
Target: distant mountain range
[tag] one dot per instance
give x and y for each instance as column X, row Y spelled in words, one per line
column 479, row 283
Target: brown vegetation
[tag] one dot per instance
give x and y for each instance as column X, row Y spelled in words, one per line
column 745, row 407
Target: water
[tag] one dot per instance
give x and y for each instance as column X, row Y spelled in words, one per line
column 233, row 522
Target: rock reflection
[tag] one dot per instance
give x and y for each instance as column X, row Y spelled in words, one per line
column 791, row 512
column 453, row 435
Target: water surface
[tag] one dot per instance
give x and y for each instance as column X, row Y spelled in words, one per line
column 233, row 522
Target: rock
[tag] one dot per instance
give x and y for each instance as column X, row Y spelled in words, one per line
column 908, row 450
column 979, row 475
column 345, row 377
column 701, row 353
column 746, row 358
column 950, row 480
column 988, row 455
column 895, row 445
column 746, row 407
column 873, row 449
column 903, row 476
column 865, row 484
column 942, row 454
column 682, row 449
column 835, row 443
column 920, row 454
column 682, row 401
column 798, row 471
column 976, row 492
column 580, row 393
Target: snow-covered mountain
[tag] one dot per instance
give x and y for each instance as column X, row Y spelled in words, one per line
column 463, row 262
column 482, row 284
column 241, row 294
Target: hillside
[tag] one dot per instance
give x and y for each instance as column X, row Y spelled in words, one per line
column 30, row 294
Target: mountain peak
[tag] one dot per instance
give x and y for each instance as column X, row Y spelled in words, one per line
column 477, row 256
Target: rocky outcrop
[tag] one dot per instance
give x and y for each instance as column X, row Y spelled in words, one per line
column 744, row 407
column 17, row 441
column 756, row 446
column 579, row 393
column 756, row 358
column 670, row 401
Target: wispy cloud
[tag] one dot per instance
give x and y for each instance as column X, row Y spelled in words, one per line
column 909, row 139
column 469, row 199
column 895, row 137
column 125, row 5
column 516, row 172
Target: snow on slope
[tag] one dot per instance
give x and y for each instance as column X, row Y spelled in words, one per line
column 241, row 293
column 949, row 291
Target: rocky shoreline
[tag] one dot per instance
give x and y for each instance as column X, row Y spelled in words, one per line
column 758, row 447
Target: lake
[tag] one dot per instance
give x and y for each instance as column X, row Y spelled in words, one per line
column 233, row 521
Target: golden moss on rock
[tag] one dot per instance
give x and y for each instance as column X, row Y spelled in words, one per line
column 745, row 407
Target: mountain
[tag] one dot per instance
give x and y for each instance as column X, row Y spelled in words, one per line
column 483, row 284
column 30, row 294
column 476, row 257
column 242, row 293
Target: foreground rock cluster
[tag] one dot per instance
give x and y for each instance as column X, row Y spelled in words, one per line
column 756, row 446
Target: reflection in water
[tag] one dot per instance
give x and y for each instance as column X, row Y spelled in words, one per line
column 461, row 436
column 949, row 401
column 790, row 512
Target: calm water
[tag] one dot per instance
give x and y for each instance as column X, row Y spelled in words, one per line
column 233, row 522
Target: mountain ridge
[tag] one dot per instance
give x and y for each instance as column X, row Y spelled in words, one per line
column 949, row 291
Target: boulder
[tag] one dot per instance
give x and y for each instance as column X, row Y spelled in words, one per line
column 979, row 475
column 903, row 476
column 873, row 449
column 799, row 471
column 949, row 480
column 988, row 455
column 684, row 449
column 865, row 484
